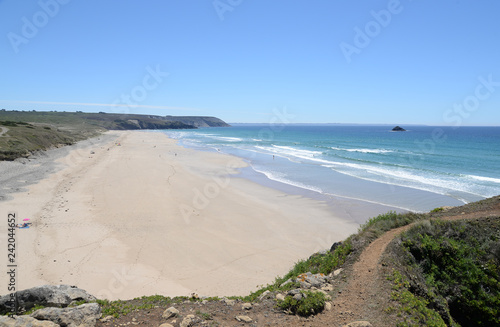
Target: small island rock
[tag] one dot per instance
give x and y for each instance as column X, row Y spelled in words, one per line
column 398, row 129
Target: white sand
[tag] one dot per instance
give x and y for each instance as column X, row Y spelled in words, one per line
column 150, row 217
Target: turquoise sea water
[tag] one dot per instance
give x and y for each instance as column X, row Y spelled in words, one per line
column 401, row 169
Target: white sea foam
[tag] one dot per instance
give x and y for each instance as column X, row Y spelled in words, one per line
column 363, row 150
column 281, row 177
column 226, row 138
column 294, row 151
column 290, row 152
column 426, row 181
column 303, row 154
column 484, row 179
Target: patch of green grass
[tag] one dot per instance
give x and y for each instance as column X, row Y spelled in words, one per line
column 155, row 299
column 204, row 315
column 310, row 303
column 115, row 308
column 437, row 209
column 453, row 267
column 385, row 222
column 23, row 139
column 122, row 308
column 322, row 263
column 413, row 310
column 36, row 307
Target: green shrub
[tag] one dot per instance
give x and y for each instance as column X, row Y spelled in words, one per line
column 412, row 309
column 460, row 263
column 311, row 303
column 322, row 263
column 385, row 222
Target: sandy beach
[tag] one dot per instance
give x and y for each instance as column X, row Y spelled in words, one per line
column 135, row 214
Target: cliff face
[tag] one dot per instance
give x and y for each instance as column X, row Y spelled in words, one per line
column 126, row 121
column 131, row 124
column 198, row 121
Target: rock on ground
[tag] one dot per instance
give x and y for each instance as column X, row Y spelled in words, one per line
column 246, row 306
column 84, row 315
column 189, row 321
column 24, row 321
column 308, row 280
column 244, row 318
column 170, row 312
column 46, row 295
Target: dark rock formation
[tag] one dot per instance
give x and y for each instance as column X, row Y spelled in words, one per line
column 47, row 295
column 398, row 129
column 335, row 245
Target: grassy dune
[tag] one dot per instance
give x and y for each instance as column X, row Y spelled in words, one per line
column 21, row 139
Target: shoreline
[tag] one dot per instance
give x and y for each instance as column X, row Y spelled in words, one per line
column 151, row 217
column 386, row 196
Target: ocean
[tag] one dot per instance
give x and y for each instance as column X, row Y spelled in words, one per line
column 417, row 170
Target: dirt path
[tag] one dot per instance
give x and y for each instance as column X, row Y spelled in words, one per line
column 3, row 130
column 362, row 292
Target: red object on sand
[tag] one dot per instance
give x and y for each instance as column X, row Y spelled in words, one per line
column 26, row 219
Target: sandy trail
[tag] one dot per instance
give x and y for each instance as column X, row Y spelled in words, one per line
column 3, row 130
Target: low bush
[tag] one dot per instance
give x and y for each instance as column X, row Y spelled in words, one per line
column 459, row 264
column 310, row 303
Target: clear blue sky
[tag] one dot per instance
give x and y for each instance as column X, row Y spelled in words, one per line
column 343, row 61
